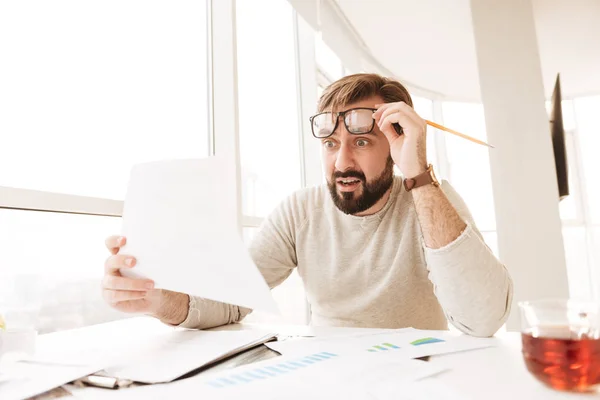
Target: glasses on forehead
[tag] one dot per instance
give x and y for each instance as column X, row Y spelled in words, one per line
column 358, row 121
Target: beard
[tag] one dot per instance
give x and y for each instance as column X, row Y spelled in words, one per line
column 366, row 195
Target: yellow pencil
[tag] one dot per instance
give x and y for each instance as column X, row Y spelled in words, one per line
column 462, row 135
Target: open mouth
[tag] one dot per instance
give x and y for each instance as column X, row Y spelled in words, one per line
column 348, row 184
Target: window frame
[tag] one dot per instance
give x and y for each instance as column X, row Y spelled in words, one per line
column 36, row 200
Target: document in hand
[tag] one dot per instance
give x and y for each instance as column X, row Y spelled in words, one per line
column 406, row 343
column 180, row 222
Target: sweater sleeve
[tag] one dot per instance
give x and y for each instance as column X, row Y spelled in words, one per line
column 274, row 253
column 473, row 287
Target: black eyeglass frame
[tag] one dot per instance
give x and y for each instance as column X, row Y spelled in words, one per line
column 337, row 121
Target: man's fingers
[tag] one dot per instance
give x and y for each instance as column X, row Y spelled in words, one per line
column 381, row 108
column 114, row 243
column 399, row 105
column 120, row 283
column 118, row 261
column 116, row 296
column 403, row 115
column 389, row 111
column 385, row 125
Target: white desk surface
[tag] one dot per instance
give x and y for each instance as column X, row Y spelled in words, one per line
column 493, row 373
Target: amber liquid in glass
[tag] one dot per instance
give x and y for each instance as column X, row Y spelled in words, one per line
column 562, row 362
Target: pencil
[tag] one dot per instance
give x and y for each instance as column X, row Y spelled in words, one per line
column 462, row 135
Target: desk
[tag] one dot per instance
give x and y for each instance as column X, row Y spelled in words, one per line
column 492, row 373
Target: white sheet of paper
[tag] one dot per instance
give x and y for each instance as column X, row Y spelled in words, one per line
column 170, row 356
column 179, row 219
column 154, row 357
column 425, row 389
column 357, row 376
column 143, row 348
column 4, row 377
column 31, row 379
column 408, row 343
column 103, row 344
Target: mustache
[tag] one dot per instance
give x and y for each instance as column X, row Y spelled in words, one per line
column 349, row 174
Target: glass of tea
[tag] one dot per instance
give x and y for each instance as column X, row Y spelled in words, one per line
column 561, row 343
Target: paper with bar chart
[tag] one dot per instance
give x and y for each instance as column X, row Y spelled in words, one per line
column 408, row 343
column 324, row 374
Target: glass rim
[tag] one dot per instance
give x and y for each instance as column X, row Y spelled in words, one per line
column 565, row 303
column 341, row 113
column 337, row 115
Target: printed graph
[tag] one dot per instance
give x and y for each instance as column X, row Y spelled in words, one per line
column 390, row 346
column 426, row 340
column 270, row 371
column 383, row 347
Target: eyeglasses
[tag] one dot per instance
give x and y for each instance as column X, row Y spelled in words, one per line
column 358, row 121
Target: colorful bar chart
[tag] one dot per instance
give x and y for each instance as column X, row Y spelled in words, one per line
column 390, row 346
column 426, row 340
column 383, row 347
column 269, row 371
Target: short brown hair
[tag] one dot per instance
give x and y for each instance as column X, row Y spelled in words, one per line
column 357, row 87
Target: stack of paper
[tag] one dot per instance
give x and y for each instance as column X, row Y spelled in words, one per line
column 30, row 379
column 407, row 343
column 154, row 358
column 321, row 375
column 160, row 357
column 172, row 356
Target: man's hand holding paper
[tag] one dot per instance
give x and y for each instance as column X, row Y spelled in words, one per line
column 180, row 236
column 138, row 295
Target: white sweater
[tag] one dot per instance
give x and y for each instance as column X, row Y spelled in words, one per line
column 374, row 271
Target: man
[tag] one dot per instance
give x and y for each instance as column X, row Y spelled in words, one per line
column 373, row 250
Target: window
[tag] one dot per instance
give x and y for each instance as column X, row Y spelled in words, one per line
column 89, row 89
column 52, row 264
column 588, row 129
column 424, row 107
column 269, row 128
column 268, row 105
column 320, row 90
column 576, row 255
column 594, row 254
column 583, row 256
column 317, row 144
column 289, row 296
column 86, row 91
column 328, row 63
column 470, row 163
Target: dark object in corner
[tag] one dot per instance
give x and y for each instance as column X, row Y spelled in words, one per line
column 557, row 131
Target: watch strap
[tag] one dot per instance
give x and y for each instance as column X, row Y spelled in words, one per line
column 423, row 179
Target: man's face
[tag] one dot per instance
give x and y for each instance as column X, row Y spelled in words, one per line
column 358, row 167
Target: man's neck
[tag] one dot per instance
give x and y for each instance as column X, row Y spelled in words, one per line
column 375, row 208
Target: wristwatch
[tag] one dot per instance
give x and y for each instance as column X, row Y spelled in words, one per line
column 426, row 178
